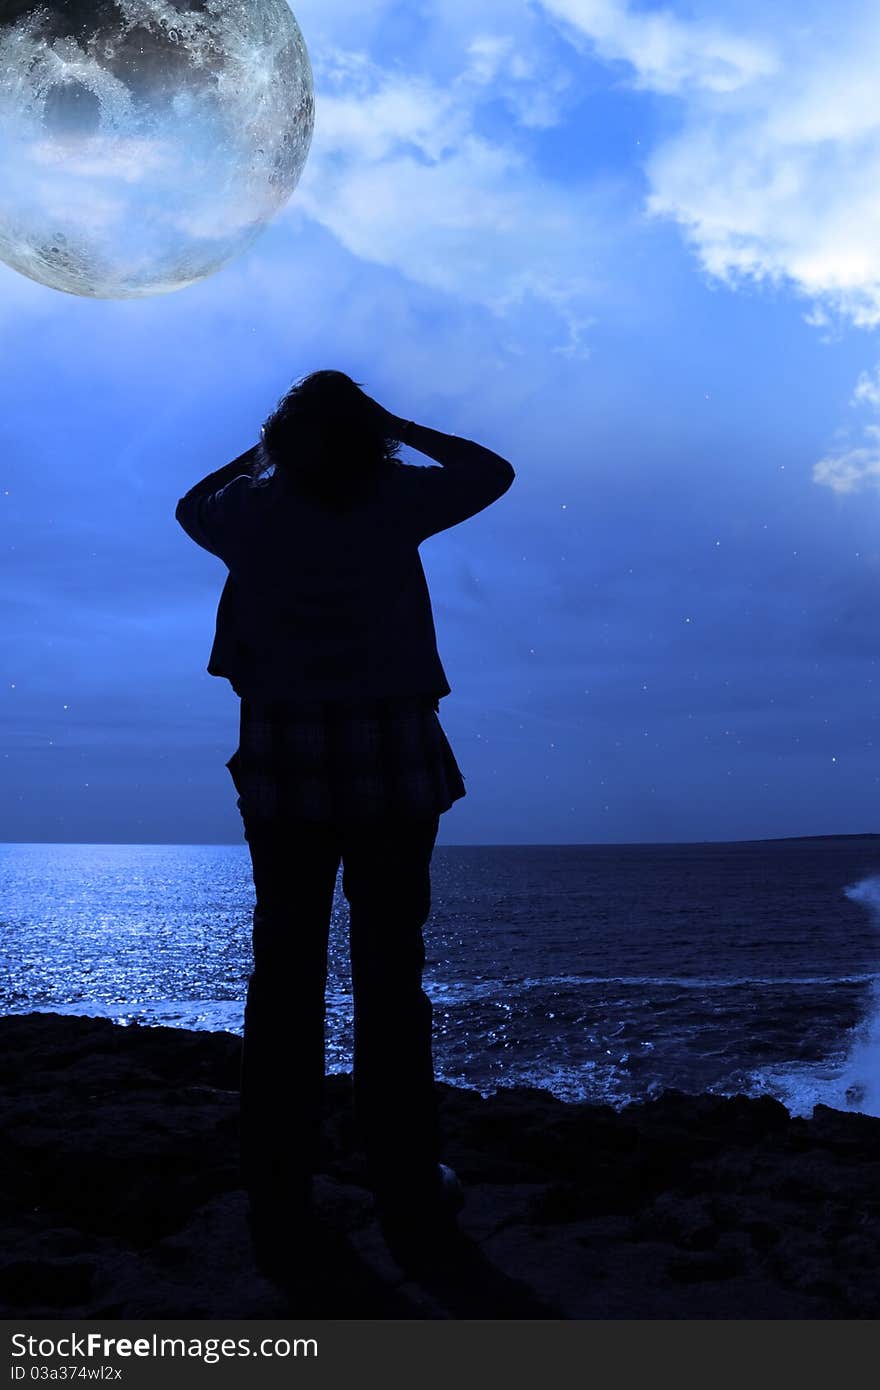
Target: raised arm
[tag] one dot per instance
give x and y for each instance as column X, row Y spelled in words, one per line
column 471, row 476
column 198, row 512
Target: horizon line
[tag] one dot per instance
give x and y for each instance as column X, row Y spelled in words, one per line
column 474, row 844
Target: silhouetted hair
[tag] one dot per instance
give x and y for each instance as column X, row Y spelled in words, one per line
column 325, row 436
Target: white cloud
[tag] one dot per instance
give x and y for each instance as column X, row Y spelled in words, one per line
column 401, row 177
column 754, row 209
column 487, row 56
column 772, row 175
column 777, row 182
column 852, row 470
column 773, row 171
column 373, row 117
column 667, row 53
column 770, row 181
column 867, row 389
column 535, row 90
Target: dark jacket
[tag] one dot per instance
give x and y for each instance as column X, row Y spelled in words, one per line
column 321, row 605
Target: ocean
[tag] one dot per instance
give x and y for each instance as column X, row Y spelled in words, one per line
column 599, row 972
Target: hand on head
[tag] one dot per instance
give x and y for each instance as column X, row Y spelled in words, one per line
column 391, row 425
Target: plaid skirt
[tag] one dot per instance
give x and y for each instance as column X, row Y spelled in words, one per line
column 330, row 760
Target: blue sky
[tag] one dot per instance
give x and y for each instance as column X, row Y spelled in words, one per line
column 636, row 249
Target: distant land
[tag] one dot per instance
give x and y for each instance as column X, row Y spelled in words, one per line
column 653, row 844
column 868, row 835
column 650, row 844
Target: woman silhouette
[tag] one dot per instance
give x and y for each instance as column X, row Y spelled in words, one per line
column 325, row 631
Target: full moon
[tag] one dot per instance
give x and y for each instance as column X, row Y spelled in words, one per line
column 145, row 143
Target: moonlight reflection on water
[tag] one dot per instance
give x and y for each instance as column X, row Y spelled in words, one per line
column 145, row 143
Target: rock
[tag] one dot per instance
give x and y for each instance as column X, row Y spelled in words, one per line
column 120, row 1197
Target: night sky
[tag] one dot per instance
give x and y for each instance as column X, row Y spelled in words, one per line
column 635, row 249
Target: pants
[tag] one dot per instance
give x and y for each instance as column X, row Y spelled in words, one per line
column 386, row 882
